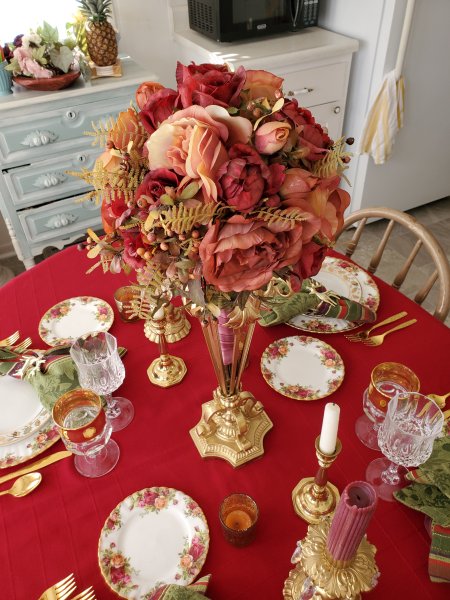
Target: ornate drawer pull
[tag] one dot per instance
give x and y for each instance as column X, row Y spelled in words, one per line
column 305, row 90
column 39, row 138
column 47, row 180
column 61, row 220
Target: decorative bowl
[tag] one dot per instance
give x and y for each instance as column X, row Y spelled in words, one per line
column 50, row 84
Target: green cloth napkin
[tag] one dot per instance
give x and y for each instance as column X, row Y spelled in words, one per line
column 429, row 499
column 194, row 591
column 315, row 300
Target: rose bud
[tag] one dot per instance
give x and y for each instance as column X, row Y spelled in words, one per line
column 271, row 137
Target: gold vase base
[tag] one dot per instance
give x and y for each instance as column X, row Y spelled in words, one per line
column 296, row 582
column 236, row 451
column 167, row 370
column 310, row 507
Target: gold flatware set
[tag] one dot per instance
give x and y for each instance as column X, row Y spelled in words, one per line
column 377, row 340
column 64, row 588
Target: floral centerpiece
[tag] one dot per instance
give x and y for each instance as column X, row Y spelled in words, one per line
column 214, row 191
column 40, row 55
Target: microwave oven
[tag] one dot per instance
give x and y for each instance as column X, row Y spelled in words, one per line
column 231, row 20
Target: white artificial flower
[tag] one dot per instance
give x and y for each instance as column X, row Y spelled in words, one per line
column 32, row 38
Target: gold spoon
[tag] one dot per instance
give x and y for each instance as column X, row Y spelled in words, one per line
column 440, row 400
column 24, row 485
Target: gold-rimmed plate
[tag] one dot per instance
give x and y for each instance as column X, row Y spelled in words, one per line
column 63, row 323
column 302, row 367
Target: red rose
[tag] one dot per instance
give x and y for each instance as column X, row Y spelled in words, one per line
column 245, row 179
column 311, row 260
column 311, row 134
column 241, row 254
column 207, row 84
column 111, row 210
column 158, row 108
column 154, row 185
column 132, row 242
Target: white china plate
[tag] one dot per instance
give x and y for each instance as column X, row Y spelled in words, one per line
column 156, row 536
column 21, row 412
column 350, row 277
column 68, row 320
column 302, row 367
column 30, row 414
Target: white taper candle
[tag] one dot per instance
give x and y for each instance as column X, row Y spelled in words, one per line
column 328, row 435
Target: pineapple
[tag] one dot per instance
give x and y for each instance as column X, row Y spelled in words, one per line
column 100, row 34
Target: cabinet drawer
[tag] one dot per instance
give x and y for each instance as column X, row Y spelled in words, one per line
column 47, row 180
column 54, row 131
column 59, row 220
column 331, row 116
column 317, row 86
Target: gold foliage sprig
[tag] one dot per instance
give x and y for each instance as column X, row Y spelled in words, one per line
column 282, row 216
column 334, row 162
column 181, row 218
column 101, row 131
column 107, row 183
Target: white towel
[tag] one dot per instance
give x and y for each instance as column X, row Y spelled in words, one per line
column 383, row 120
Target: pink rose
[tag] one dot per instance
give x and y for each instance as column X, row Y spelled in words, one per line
column 262, row 84
column 155, row 184
column 245, row 179
column 29, row 66
column 191, row 143
column 145, row 91
column 207, row 84
column 271, row 137
column 241, row 254
column 159, row 107
column 297, row 183
column 311, row 135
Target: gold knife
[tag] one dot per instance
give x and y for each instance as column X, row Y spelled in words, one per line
column 43, row 462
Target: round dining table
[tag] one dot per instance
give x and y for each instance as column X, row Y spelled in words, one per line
column 55, row 530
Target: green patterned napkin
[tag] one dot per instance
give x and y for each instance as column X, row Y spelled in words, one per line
column 194, row 591
column 315, row 300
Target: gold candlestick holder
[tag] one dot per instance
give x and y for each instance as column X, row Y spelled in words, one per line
column 176, row 325
column 318, row 577
column 315, row 497
column 166, row 370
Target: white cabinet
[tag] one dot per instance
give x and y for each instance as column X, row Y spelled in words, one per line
column 315, row 64
column 42, row 137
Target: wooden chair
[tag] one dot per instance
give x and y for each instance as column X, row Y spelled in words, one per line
column 423, row 239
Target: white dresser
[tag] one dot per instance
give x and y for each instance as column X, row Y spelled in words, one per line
column 315, row 64
column 42, row 137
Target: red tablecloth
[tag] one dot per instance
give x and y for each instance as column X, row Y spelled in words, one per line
column 55, row 530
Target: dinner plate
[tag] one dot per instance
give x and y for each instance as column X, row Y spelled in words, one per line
column 68, row 320
column 21, row 412
column 156, row 536
column 35, row 430
column 346, row 276
column 302, row 367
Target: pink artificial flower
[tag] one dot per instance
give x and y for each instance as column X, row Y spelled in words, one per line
column 271, row 137
column 159, row 107
column 29, row 66
column 262, row 84
column 298, row 183
column 207, row 84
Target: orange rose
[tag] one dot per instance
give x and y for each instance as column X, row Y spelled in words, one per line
column 262, row 84
column 271, row 137
column 145, row 91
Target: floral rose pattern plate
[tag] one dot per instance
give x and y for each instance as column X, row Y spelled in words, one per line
column 339, row 273
column 68, row 320
column 155, row 537
column 302, row 367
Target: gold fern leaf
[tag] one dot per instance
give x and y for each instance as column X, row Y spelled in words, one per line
column 100, row 131
column 334, row 162
column 181, row 219
column 283, row 216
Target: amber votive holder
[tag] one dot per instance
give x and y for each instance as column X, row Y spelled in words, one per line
column 123, row 297
column 238, row 516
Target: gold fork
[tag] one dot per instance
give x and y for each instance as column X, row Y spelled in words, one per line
column 26, row 343
column 87, row 594
column 61, row 590
column 9, row 341
column 363, row 335
column 377, row 340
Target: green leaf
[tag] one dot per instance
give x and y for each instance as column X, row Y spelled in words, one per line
column 166, row 200
column 62, row 58
column 48, row 33
column 189, row 191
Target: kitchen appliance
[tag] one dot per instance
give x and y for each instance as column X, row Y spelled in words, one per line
column 230, row 20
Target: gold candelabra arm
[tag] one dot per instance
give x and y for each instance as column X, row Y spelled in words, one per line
column 166, row 370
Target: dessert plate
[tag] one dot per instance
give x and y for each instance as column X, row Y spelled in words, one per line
column 68, row 320
column 344, row 278
column 302, row 368
column 156, row 536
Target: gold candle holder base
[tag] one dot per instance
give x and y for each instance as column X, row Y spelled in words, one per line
column 319, row 577
column 232, row 428
column 167, row 370
column 315, row 498
column 176, row 327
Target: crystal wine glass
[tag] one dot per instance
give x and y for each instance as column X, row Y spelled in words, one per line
column 101, row 369
column 386, row 380
column 85, row 431
column 405, row 437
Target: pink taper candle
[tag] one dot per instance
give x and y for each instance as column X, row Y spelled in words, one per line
column 351, row 520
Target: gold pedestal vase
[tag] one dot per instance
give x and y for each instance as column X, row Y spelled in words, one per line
column 233, row 423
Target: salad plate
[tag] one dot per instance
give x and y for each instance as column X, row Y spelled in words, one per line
column 63, row 323
column 302, row 367
column 344, row 278
column 156, row 536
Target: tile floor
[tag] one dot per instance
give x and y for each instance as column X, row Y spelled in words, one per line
column 435, row 216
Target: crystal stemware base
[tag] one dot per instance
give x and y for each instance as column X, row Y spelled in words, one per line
column 386, row 477
column 99, row 464
column 367, row 432
column 120, row 412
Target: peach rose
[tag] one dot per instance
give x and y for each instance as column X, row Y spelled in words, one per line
column 145, row 91
column 126, row 130
column 328, row 203
column 161, row 502
column 242, row 254
column 262, row 84
column 271, row 137
column 297, row 183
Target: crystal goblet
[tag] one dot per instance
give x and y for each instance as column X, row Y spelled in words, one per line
column 405, row 437
column 85, row 431
column 386, row 380
column 101, row 369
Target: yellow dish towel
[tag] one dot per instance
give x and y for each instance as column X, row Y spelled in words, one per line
column 383, row 120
